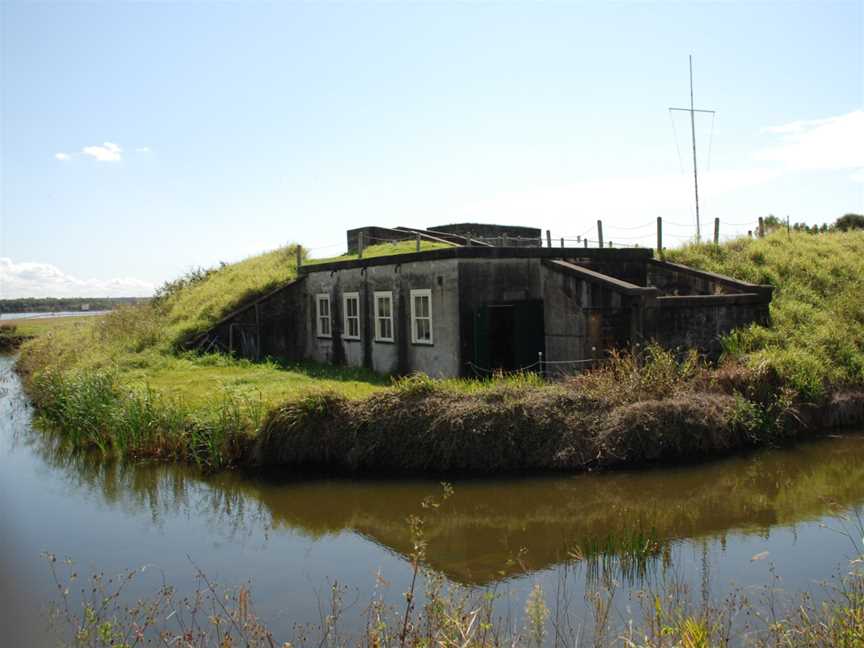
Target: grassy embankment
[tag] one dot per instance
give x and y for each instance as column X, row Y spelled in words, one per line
column 118, row 383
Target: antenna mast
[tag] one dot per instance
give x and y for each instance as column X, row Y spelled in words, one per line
column 693, row 112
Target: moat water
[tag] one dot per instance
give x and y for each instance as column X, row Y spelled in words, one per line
column 721, row 526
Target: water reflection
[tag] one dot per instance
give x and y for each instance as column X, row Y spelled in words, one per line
column 491, row 530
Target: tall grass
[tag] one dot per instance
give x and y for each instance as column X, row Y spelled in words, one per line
column 94, row 411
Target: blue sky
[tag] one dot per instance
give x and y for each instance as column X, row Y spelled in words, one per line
column 139, row 140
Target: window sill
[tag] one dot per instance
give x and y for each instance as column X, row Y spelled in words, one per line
column 422, row 343
column 324, row 337
column 351, row 338
column 385, row 341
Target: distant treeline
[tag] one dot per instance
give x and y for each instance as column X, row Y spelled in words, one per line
column 57, row 304
column 845, row 223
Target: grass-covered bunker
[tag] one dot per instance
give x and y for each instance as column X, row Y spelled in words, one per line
column 484, row 303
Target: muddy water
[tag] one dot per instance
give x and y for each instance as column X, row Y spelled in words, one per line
column 291, row 536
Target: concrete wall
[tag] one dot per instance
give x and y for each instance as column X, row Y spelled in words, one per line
column 675, row 279
column 441, row 358
column 634, row 271
column 512, row 235
column 584, row 318
column 484, row 282
column 698, row 322
column 270, row 326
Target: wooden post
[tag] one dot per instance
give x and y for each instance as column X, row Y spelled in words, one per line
column 418, row 241
column 586, row 243
column 548, row 238
column 716, row 231
column 299, row 251
column 750, row 233
column 360, row 244
column 600, row 232
column 660, row 236
column 788, row 228
column 540, row 362
column 761, row 227
column 610, row 244
column 562, row 241
column 578, row 239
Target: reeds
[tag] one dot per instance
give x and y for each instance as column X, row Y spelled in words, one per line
column 92, row 410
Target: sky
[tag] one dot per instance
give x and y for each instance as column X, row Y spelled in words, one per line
column 138, row 141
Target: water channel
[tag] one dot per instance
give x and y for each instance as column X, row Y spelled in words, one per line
column 291, row 536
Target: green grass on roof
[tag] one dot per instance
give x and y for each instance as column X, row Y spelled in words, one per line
column 384, row 249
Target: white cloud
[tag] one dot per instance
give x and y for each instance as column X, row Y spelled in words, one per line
column 108, row 152
column 29, row 279
column 105, row 152
column 834, row 143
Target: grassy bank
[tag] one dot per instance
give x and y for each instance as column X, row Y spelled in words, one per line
column 121, row 372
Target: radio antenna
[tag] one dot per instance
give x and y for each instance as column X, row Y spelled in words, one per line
column 693, row 112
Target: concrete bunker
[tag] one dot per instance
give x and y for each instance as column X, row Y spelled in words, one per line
column 474, row 308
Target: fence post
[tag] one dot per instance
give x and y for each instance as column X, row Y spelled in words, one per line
column 600, row 232
column 610, row 245
column 540, row 361
column 360, row 244
column 716, row 231
column 299, row 251
column 788, row 228
column 761, row 227
column 660, row 236
column 548, row 238
column 586, row 243
column 418, row 241
column 562, row 241
column 750, row 233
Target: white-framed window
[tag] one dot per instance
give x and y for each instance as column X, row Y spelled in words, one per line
column 383, row 316
column 351, row 310
column 421, row 316
column 322, row 315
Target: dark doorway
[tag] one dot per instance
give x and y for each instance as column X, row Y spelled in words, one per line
column 501, row 332
column 508, row 336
